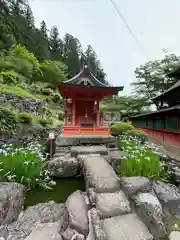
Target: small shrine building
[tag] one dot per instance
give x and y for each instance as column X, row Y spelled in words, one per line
column 82, row 95
column 165, row 122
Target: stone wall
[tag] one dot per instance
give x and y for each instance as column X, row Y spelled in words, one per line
column 23, row 103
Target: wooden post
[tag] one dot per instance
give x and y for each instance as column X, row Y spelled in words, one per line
column 73, row 112
column 98, row 115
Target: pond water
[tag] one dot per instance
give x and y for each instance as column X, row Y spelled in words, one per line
column 59, row 193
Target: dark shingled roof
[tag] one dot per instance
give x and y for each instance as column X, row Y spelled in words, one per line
column 175, row 86
column 85, row 73
column 177, row 107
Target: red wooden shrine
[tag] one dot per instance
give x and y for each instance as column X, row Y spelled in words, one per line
column 82, row 95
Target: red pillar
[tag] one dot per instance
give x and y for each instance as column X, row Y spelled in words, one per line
column 98, row 115
column 73, row 112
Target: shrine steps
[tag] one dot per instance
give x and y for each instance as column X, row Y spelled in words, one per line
column 75, row 140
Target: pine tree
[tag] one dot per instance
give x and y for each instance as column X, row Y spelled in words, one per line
column 71, row 54
column 55, row 43
column 43, row 29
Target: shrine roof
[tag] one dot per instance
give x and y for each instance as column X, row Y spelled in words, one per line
column 167, row 92
column 177, row 107
column 86, row 79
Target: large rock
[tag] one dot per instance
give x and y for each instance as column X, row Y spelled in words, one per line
column 174, row 235
column 150, row 212
column 40, row 213
column 78, row 212
column 112, row 204
column 169, row 196
column 126, row 227
column 11, row 201
column 99, row 174
column 64, row 166
column 133, row 185
column 46, row 231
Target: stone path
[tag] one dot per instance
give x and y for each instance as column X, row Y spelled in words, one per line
column 114, row 214
column 130, row 208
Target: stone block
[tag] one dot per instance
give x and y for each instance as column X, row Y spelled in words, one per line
column 133, row 185
column 126, row 227
column 112, row 204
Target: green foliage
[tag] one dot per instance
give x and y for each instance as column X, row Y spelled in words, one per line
column 16, row 90
column 55, row 98
column 25, row 165
column 120, row 128
column 140, row 160
column 52, row 72
column 152, row 79
column 25, row 118
column 47, row 91
column 7, row 120
column 139, row 134
column 44, row 121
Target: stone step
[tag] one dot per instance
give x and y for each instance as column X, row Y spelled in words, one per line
column 99, row 174
column 126, row 227
column 112, row 204
column 83, row 139
column 80, row 150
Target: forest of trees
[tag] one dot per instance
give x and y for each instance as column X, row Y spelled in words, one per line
column 33, row 55
column 17, row 26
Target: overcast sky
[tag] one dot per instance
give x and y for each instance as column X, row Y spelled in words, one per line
column 154, row 22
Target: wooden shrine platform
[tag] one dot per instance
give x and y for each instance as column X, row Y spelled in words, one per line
column 71, row 131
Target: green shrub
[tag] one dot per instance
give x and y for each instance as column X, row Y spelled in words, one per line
column 55, row 98
column 120, row 128
column 47, row 91
column 46, row 111
column 139, row 134
column 44, row 122
column 7, row 120
column 25, row 118
column 25, row 165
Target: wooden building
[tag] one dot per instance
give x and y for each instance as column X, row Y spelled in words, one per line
column 82, row 95
column 165, row 122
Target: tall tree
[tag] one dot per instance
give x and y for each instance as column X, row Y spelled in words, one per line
column 72, row 51
column 94, row 64
column 152, row 77
column 55, row 43
column 44, row 30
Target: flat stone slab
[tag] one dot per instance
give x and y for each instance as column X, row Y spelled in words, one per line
column 99, row 174
column 112, row 204
column 126, row 227
column 83, row 139
column 133, row 185
column 102, row 150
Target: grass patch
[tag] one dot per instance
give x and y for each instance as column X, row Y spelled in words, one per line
column 18, row 91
